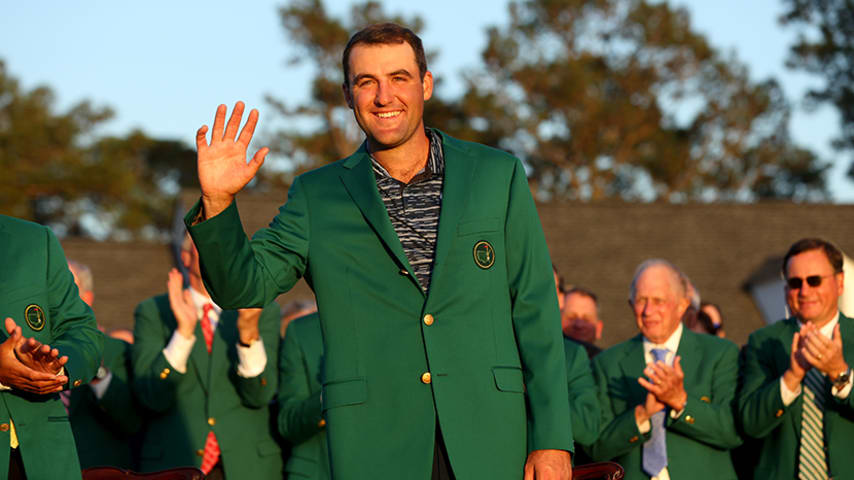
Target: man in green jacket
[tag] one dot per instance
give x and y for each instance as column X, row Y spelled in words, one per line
column 208, row 376
column 52, row 344
column 431, row 272
column 104, row 415
column 667, row 395
column 795, row 389
column 300, row 419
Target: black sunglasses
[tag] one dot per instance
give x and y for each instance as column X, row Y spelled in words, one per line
column 796, row 283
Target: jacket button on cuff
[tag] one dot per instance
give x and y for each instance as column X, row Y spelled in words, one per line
column 200, row 452
column 689, row 419
column 77, row 383
column 211, row 421
column 779, row 413
column 425, row 377
column 428, row 319
column 705, row 399
column 633, row 439
column 263, row 382
column 165, row 373
column 4, row 427
column 321, row 423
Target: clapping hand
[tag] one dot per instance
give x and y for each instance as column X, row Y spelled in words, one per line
column 222, row 167
column 181, row 302
column 27, row 365
column 247, row 324
column 666, row 383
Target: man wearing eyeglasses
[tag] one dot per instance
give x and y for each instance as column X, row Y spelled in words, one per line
column 795, row 380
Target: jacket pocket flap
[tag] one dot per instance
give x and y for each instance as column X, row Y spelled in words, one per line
column 509, row 379
column 481, row 225
column 338, row 393
column 301, row 466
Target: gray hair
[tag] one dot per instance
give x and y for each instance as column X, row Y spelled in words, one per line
column 83, row 274
column 298, row 306
column 679, row 278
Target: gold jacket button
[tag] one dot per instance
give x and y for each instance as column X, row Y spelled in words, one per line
column 689, row 419
column 428, row 319
column 425, row 377
column 77, row 383
column 165, row 373
column 321, row 423
column 211, row 421
column 633, row 439
column 4, row 427
column 705, row 399
column 200, row 452
column 779, row 413
column 404, row 272
column 263, row 382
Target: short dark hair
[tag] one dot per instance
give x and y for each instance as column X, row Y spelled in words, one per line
column 583, row 292
column 834, row 256
column 384, row 34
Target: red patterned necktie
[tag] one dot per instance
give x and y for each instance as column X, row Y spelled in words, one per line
column 211, row 455
column 207, row 330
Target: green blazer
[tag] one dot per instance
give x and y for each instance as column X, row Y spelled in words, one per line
column 583, row 403
column 698, row 442
column 300, row 422
column 763, row 416
column 209, row 396
column 104, row 429
column 35, row 273
column 493, row 333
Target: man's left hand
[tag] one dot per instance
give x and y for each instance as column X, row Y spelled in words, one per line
column 548, row 465
column 666, row 383
column 247, row 324
column 825, row 354
column 36, row 355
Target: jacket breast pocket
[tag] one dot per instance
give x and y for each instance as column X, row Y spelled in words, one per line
column 479, row 225
column 340, row 393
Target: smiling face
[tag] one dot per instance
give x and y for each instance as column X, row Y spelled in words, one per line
column 813, row 304
column 386, row 93
column 658, row 303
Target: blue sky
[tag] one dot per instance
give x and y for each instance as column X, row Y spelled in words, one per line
column 164, row 66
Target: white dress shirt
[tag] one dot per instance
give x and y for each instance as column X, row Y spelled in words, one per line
column 251, row 360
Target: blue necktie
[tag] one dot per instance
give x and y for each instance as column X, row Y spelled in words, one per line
column 655, row 449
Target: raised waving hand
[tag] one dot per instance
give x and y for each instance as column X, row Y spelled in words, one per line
column 222, row 167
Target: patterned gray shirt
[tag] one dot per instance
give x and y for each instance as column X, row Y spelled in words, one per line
column 414, row 208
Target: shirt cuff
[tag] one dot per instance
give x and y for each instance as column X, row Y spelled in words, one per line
column 787, row 395
column 4, row 388
column 100, row 388
column 252, row 360
column 644, row 427
column 178, row 350
column 843, row 392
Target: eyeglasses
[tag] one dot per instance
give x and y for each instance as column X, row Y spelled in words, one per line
column 795, row 283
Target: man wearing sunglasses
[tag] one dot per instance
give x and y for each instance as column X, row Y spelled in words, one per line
column 796, row 382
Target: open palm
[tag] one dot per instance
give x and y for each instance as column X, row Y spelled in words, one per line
column 222, row 167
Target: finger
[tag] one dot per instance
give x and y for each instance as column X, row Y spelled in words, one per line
column 810, row 358
column 234, row 122
column 63, row 360
column 188, row 297
column 837, row 336
column 201, row 138
column 249, row 128
column 219, row 122
column 10, row 325
column 677, row 367
column 529, row 471
column 258, row 160
column 650, row 387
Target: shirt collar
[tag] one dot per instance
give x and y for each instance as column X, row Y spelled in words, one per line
column 671, row 344
column 200, row 299
column 435, row 159
column 827, row 329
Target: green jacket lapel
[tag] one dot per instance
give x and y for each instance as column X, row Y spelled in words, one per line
column 358, row 178
column 200, row 358
column 459, row 172
column 632, row 365
column 691, row 362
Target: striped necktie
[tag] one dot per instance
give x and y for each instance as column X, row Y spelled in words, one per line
column 812, row 464
column 655, row 449
column 211, row 453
